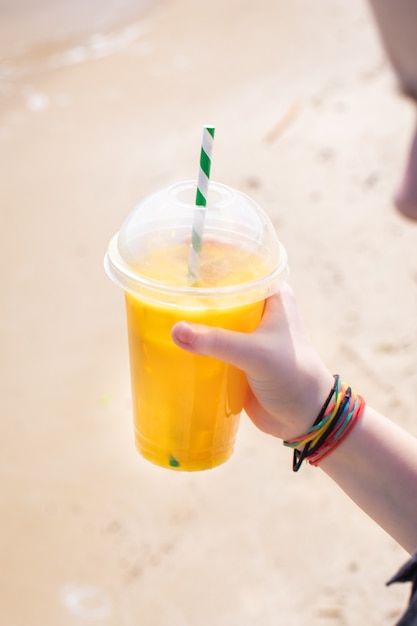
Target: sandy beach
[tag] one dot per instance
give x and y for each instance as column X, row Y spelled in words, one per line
column 92, row 118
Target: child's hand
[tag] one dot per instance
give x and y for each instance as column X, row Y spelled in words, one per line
column 288, row 381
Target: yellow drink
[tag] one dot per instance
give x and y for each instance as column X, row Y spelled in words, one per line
column 187, row 407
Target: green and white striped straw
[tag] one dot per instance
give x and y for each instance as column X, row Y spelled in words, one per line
column 194, row 255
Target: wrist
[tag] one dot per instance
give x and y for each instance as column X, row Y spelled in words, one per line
column 340, row 412
column 310, row 399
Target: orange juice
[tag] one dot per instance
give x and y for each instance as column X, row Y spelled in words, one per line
column 187, row 407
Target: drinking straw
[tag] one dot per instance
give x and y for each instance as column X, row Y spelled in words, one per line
column 194, row 255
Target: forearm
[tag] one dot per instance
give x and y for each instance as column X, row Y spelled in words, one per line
column 376, row 465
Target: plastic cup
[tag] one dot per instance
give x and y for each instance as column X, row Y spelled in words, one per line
column 186, row 407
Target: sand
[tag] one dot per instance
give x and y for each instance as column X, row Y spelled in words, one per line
column 309, row 123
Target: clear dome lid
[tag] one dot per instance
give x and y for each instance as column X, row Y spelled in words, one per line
column 241, row 260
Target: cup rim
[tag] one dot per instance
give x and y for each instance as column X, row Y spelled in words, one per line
column 139, row 285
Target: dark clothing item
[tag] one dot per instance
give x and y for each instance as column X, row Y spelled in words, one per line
column 408, row 573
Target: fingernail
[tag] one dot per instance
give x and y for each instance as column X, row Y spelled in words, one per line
column 185, row 333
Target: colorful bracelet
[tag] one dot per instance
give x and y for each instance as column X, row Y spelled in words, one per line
column 340, row 412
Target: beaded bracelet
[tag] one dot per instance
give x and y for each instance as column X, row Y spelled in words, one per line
column 340, row 412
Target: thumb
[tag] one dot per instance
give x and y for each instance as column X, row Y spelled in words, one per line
column 226, row 345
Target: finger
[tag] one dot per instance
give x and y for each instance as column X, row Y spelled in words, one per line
column 227, row 345
column 250, row 352
column 278, row 305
